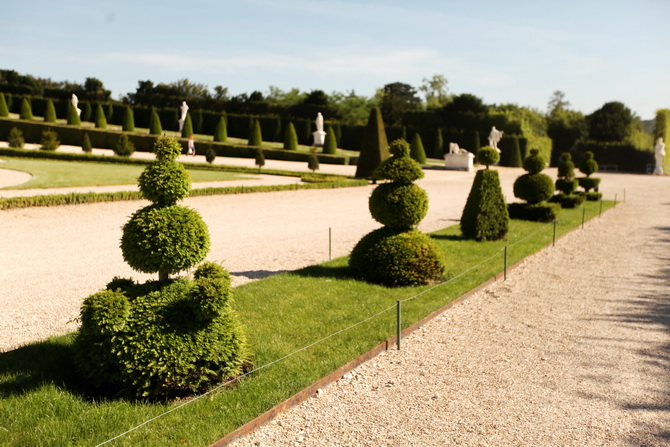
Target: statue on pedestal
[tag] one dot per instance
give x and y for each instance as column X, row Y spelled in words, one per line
column 184, row 111
column 659, row 152
column 494, row 138
column 75, row 102
column 319, row 135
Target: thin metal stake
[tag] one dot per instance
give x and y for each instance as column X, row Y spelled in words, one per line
column 601, row 208
column 583, row 216
column 553, row 242
column 330, row 244
column 399, row 324
column 615, row 194
column 624, row 196
column 505, row 269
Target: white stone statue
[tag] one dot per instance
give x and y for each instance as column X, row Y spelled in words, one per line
column 458, row 158
column 319, row 122
column 659, row 151
column 494, row 138
column 319, row 135
column 75, row 102
column 184, row 111
column 453, row 148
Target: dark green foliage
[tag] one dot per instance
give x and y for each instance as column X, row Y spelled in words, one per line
column 313, row 160
column 109, row 112
column 255, row 134
column 187, row 129
column 197, row 121
column 86, row 111
column 534, row 188
column 487, row 156
column 72, row 116
column 566, row 168
column 15, row 138
column 568, row 200
column 124, row 147
column 374, row 149
column 260, row 158
column 588, row 165
column 612, row 122
column 128, row 120
column 485, row 215
column 473, row 143
column 593, row 196
column 26, row 109
column 221, row 130
column 155, row 127
column 210, row 154
column 49, row 141
column 397, row 205
column 49, row 112
column 514, row 153
column 566, row 186
column 397, row 258
column 290, row 138
column 589, row 183
column 417, row 151
column 438, row 145
column 330, row 143
column 400, row 168
column 537, row 212
column 534, row 163
column 4, row 110
column 86, row 143
column 167, row 149
column 165, row 183
column 100, row 119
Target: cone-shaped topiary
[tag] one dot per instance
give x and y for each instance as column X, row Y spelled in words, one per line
column 155, row 127
column 163, row 338
column 312, row 160
column 513, row 153
column 49, row 112
column 487, row 156
column 221, row 130
column 15, row 138
column 72, row 116
column 260, row 158
column 100, row 119
column 26, row 109
column 109, row 112
column 187, row 130
column 128, row 120
column 438, row 147
column 330, row 143
column 398, row 254
column 290, row 138
column 4, row 110
column 255, row 134
column 197, row 121
column 374, row 148
column 86, row 111
column 86, row 143
column 485, row 216
column 417, row 151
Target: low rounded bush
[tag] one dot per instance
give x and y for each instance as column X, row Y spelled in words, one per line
column 536, row 212
column 210, row 155
column 534, row 163
column 568, row 201
column 398, row 205
column 487, row 156
column 165, row 182
column 397, row 258
column 211, row 290
column 593, row 196
column 589, row 183
column 485, row 215
column 49, row 141
column 164, row 239
column 533, row 188
column 588, row 165
column 106, row 311
column 566, row 186
column 15, row 138
column 124, row 147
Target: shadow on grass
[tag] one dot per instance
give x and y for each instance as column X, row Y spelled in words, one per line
column 325, row 271
column 448, row 237
column 258, row 274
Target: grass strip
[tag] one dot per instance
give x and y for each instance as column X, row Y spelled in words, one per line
column 39, row 394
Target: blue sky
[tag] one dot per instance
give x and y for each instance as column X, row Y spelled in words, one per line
column 504, row 52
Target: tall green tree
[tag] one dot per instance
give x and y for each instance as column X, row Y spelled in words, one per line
column 26, row 109
column 255, row 136
column 375, row 147
column 128, row 120
column 155, row 127
column 221, row 130
column 397, row 99
column 100, row 119
column 612, row 122
column 435, row 91
column 49, row 112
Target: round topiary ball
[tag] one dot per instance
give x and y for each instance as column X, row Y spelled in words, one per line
column 400, row 168
column 210, row 291
column 106, row 311
column 566, row 168
column 397, row 258
column 534, row 188
column 534, row 163
column 165, row 182
column 164, row 239
column 588, row 165
column 398, row 205
column 167, row 148
column 487, row 156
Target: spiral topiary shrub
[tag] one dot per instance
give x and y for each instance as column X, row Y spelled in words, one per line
column 588, row 165
column 485, row 216
column 397, row 254
column 535, row 188
column 487, row 156
column 170, row 337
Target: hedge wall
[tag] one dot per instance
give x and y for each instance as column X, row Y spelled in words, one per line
column 627, row 157
column 663, row 130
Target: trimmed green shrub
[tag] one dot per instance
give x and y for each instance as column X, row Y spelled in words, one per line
column 534, row 163
column 485, row 216
column 417, row 151
column 566, row 168
column 566, row 186
column 155, row 127
column 397, row 258
column 100, row 119
column 374, row 149
column 260, row 158
column 165, row 183
column 109, row 112
column 568, row 201
column 86, row 143
column 49, row 112
column 255, row 135
column 86, row 111
column 72, row 116
column 128, row 120
column 588, row 165
column 514, row 153
column 15, row 138
column 487, row 156
column 593, row 196
column 49, row 141
column 210, row 154
column 313, row 160
column 400, row 168
column 330, row 143
column 4, row 110
column 589, row 183
column 534, row 188
column 124, row 147
column 221, row 132
column 536, row 212
column 473, row 142
column 397, row 205
column 290, row 138
column 438, row 145
column 187, row 129
column 26, row 109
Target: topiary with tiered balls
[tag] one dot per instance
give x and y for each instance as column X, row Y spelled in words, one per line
column 535, row 188
column 398, row 254
column 169, row 337
column 566, row 183
column 589, row 166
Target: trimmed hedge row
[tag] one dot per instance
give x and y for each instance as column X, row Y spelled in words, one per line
column 625, row 156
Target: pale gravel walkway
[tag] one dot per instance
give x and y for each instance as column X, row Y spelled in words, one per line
column 572, row 350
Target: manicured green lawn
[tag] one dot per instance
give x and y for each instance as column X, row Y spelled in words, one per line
column 56, row 174
column 41, row 402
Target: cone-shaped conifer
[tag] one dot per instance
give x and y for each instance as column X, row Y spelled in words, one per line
column 374, row 149
column 438, row 147
column 128, row 120
column 290, row 138
column 86, row 143
column 260, row 158
column 72, row 116
column 49, row 112
column 155, row 127
column 26, row 109
column 330, row 143
column 4, row 110
column 100, row 119
column 417, row 151
column 221, row 130
column 86, row 111
column 255, row 136
column 313, row 160
column 187, row 130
